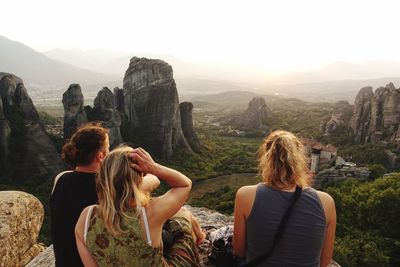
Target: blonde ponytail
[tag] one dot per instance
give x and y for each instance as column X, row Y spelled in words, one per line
column 282, row 161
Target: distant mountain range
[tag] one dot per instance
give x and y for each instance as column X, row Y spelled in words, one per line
column 38, row 70
column 95, row 68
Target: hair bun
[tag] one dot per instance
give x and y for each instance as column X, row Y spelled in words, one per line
column 69, row 153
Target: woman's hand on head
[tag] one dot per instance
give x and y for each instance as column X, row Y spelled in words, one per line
column 143, row 162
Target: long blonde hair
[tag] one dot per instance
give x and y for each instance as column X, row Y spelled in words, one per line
column 282, row 161
column 118, row 187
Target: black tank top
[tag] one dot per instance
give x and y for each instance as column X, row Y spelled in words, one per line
column 73, row 192
column 303, row 237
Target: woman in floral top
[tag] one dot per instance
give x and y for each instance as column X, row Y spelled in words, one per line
column 125, row 228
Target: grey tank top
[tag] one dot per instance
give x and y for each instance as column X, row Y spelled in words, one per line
column 303, row 237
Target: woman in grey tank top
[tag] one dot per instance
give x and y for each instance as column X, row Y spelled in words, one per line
column 309, row 235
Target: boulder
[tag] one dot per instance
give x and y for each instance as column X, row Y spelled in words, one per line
column 152, row 106
column 186, row 109
column 28, row 150
column 21, row 216
column 74, row 112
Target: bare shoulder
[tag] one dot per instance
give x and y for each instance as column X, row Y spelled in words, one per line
column 328, row 205
column 325, row 198
column 245, row 190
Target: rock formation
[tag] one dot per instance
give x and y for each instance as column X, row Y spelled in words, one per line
column 337, row 175
column 186, row 109
column 119, row 99
column 362, row 114
column 341, row 115
column 152, row 106
column 74, row 112
column 254, row 118
column 21, row 216
column 28, row 151
column 104, row 110
column 5, row 132
column 376, row 117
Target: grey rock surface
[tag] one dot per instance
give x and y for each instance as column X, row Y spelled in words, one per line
column 74, row 112
column 254, row 118
column 152, row 106
column 341, row 115
column 104, row 110
column 29, row 152
column 376, row 116
column 338, row 174
column 186, row 110
column 362, row 114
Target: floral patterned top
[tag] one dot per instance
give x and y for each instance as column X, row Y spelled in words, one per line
column 128, row 249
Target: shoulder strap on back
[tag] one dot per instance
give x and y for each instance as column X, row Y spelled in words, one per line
column 278, row 233
column 87, row 222
column 58, row 177
column 146, row 226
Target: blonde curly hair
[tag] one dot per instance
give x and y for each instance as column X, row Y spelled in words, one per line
column 282, row 161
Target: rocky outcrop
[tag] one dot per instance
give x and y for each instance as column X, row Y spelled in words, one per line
column 341, row 115
column 119, row 99
column 152, row 106
column 376, row 117
column 338, row 174
column 5, row 132
column 74, row 112
column 362, row 114
column 254, row 118
column 104, row 110
column 21, row 216
column 186, row 109
column 28, row 151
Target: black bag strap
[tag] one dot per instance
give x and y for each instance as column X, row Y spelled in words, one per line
column 278, row 233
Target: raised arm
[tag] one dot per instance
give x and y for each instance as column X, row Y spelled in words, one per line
column 150, row 183
column 330, row 215
column 168, row 204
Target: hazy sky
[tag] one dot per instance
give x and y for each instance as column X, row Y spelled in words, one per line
column 278, row 35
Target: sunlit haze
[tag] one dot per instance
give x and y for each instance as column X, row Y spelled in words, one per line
column 276, row 36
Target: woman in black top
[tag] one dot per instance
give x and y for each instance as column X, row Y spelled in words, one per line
column 74, row 190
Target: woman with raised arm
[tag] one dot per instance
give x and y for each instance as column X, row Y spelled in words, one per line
column 125, row 228
column 308, row 237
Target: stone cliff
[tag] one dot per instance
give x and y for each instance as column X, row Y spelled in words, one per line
column 186, row 109
column 376, row 116
column 22, row 137
column 151, row 105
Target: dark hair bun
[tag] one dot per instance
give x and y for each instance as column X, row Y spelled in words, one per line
column 84, row 144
